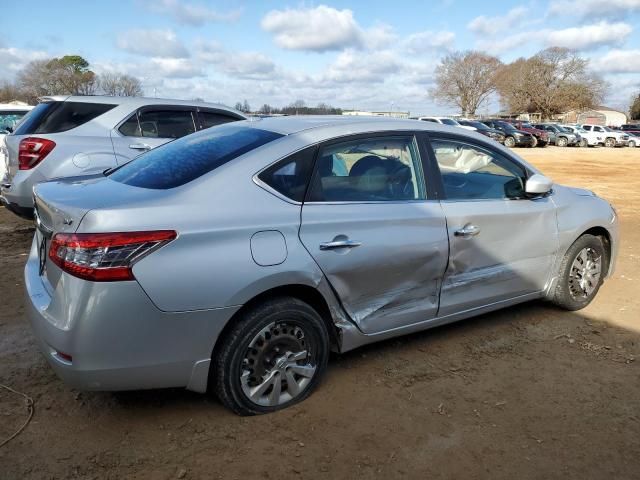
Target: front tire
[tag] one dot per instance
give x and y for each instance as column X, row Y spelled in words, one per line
column 584, row 143
column 561, row 142
column 581, row 273
column 510, row 142
column 273, row 357
column 632, row 144
column 610, row 142
column 534, row 143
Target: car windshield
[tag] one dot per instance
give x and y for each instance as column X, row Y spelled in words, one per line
column 183, row 160
column 607, row 129
column 506, row 126
column 448, row 121
column 478, row 125
column 527, row 125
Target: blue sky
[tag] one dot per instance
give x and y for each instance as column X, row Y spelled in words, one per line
column 375, row 55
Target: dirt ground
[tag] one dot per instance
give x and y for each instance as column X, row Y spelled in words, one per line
column 530, row 392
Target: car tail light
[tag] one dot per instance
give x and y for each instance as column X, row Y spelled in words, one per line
column 104, row 257
column 32, row 151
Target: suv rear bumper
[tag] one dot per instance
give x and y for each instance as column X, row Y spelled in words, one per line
column 116, row 337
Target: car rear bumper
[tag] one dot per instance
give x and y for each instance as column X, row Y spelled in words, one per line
column 115, row 336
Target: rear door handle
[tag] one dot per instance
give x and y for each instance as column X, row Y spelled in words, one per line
column 467, row 231
column 140, row 146
column 339, row 244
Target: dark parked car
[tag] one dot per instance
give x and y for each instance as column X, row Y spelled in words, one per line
column 631, row 128
column 561, row 136
column 513, row 136
column 496, row 135
column 541, row 136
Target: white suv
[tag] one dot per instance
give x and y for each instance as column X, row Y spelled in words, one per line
column 71, row 136
column 446, row 121
column 612, row 138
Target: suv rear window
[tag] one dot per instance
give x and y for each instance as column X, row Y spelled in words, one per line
column 188, row 158
column 55, row 117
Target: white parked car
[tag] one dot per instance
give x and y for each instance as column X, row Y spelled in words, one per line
column 612, row 138
column 589, row 138
column 634, row 139
column 446, row 121
column 10, row 116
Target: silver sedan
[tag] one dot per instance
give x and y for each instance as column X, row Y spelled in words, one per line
column 235, row 259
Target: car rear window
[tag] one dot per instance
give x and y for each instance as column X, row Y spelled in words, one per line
column 55, row 117
column 188, row 158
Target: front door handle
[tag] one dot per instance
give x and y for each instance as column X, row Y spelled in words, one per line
column 140, row 146
column 467, row 231
column 339, row 244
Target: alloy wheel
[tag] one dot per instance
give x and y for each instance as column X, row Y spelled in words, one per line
column 278, row 365
column 585, row 272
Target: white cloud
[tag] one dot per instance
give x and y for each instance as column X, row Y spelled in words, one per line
column 14, row 59
column 317, row 29
column 484, row 25
column 193, row 14
column 252, row 65
column 617, row 61
column 175, row 68
column 375, row 67
column 427, row 42
column 154, row 43
column 589, row 36
column 594, row 8
column 500, row 45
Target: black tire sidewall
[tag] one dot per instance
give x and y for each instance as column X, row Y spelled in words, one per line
column 228, row 362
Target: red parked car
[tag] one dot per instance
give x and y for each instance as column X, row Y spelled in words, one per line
column 541, row 137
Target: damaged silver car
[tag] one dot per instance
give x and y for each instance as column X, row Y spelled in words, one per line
column 235, row 259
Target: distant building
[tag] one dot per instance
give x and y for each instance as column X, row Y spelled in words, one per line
column 598, row 115
column 376, row 114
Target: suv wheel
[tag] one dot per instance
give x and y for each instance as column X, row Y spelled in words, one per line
column 561, row 142
column 584, row 143
column 510, row 142
column 273, row 357
column 610, row 142
column 581, row 273
column 632, row 143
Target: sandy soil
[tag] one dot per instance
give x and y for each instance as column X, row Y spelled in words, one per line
column 528, row 392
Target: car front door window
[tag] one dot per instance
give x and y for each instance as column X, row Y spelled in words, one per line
column 473, row 173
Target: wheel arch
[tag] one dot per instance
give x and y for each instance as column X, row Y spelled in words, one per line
column 605, row 236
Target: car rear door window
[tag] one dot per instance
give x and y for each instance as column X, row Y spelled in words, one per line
column 56, row 117
column 159, row 124
column 290, row 177
column 181, row 161
column 211, row 119
column 470, row 172
column 369, row 170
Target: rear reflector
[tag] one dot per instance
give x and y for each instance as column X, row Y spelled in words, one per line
column 32, row 151
column 104, row 257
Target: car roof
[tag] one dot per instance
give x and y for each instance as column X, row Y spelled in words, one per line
column 135, row 102
column 9, row 106
column 288, row 125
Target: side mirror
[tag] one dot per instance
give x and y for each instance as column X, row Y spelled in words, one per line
column 538, row 184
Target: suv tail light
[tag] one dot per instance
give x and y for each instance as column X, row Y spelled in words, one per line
column 105, row 257
column 32, row 151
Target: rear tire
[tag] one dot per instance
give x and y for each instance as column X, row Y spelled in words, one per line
column 581, row 273
column 632, row 144
column 584, row 143
column 510, row 142
column 273, row 357
column 534, row 143
column 561, row 142
column 610, row 142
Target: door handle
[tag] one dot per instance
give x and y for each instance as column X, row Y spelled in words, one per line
column 467, row 231
column 339, row 244
column 140, row 146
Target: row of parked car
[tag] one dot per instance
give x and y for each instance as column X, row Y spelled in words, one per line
column 519, row 133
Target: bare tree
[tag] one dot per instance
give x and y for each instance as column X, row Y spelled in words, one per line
column 552, row 81
column 120, row 85
column 634, row 111
column 265, row 109
column 465, row 80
